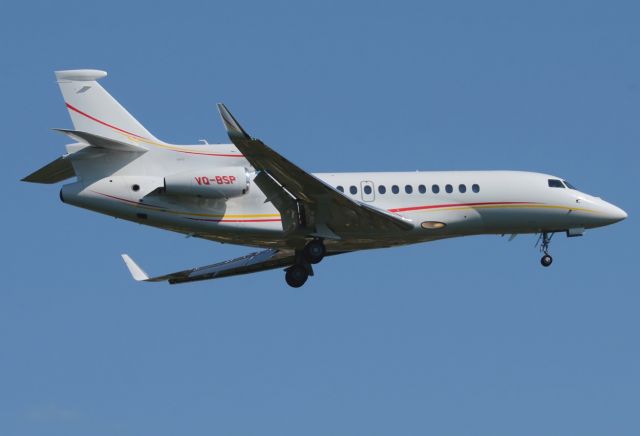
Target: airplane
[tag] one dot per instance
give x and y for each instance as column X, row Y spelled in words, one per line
column 246, row 193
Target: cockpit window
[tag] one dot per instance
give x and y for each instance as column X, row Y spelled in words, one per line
column 555, row 183
column 569, row 185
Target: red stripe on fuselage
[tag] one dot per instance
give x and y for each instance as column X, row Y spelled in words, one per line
column 261, row 220
column 209, row 154
column 137, row 203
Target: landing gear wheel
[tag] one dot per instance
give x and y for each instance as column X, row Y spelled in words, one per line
column 546, row 260
column 314, row 251
column 296, row 276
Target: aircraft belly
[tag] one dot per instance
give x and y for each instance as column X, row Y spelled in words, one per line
column 211, row 219
column 456, row 222
column 529, row 219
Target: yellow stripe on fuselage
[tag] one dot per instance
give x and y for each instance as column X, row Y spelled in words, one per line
column 503, row 206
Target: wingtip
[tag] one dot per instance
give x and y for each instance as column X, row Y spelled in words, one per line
column 137, row 273
column 234, row 129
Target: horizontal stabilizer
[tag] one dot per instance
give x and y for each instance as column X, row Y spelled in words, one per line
column 53, row 172
column 254, row 262
column 101, row 141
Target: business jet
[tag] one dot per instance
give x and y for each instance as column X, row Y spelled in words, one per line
column 246, row 193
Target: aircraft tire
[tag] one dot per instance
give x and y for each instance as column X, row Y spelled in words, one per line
column 546, row 260
column 296, row 276
column 314, row 251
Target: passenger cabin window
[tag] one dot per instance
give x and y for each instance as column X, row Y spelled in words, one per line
column 395, row 189
column 435, row 189
column 570, row 186
column 367, row 189
column 382, row 189
column 422, row 189
column 475, row 188
column 340, row 188
column 408, row 189
column 353, row 190
column 555, row 183
column 448, row 188
column 462, row 189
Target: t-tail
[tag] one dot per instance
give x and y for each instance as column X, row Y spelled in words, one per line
column 99, row 122
column 95, row 111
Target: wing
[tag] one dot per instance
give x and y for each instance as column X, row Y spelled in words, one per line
column 326, row 211
column 254, row 262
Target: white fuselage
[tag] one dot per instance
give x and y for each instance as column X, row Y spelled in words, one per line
column 441, row 204
column 247, row 193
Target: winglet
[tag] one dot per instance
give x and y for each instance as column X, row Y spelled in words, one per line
column 234, row 129
column 138, row 274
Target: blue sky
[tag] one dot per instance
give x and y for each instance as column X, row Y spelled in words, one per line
column 459, row 337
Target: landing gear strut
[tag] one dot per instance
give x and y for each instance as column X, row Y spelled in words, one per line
column 545, row 239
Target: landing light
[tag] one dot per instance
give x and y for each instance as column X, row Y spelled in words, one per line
column 431, row 225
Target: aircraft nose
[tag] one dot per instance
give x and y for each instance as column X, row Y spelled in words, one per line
column 612, row 213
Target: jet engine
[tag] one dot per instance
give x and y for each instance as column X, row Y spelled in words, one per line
column 226, row 182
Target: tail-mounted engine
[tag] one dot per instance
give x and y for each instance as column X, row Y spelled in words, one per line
column 226, row 182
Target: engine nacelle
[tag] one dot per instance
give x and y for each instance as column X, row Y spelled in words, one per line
column 226, row 182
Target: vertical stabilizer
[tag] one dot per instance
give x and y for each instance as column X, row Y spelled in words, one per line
column 95, row 111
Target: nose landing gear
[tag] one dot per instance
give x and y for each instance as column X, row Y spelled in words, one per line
column 545, row 240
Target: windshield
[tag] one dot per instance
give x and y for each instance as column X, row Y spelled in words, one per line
column 569, row 185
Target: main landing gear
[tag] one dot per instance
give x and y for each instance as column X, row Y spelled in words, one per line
column 545, row 240
column 312, row 253
column 296, row 275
